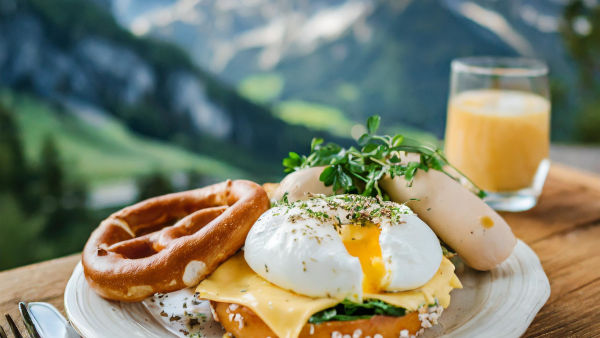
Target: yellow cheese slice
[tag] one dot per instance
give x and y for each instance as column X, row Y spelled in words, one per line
column 286, row 312
column 438, row 287
column 283, row 311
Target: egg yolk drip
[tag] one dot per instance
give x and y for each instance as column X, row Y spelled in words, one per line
column 362, row 242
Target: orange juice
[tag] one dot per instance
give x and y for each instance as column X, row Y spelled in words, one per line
column 498, row 138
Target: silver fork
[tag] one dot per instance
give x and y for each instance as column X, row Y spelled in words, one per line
column 51, row 322
column 26, row 321
column 44, row 320
column 13, row 328
column 29, row 325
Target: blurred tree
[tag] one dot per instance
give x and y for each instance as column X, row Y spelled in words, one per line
column 64, row 201
column 13, row 170
column 19, row 225
column 581, row 33
column 153, row 184
column 51, row 180
column 19, row 242
column 51, row 171
column 42, row 211
column 582, row 36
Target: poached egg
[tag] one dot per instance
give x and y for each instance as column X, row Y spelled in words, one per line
column 345, row 246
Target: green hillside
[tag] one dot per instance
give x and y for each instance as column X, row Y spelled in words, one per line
column 102, row 149
column 267, row 88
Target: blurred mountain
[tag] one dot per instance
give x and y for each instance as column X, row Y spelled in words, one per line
column 72, row 51
column 389, row 57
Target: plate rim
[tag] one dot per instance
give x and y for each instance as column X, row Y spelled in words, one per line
column 535, row 273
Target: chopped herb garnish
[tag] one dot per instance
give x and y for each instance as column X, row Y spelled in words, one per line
column 193, row 322
column 357, row 170
column 358, row 209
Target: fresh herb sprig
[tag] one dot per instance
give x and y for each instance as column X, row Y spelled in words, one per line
column 357, row 170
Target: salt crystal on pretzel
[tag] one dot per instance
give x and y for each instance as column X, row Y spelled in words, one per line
column 170, row 242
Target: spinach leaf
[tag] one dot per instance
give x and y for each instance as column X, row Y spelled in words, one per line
column 348, row 310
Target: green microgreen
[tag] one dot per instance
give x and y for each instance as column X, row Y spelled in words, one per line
column 358, row 169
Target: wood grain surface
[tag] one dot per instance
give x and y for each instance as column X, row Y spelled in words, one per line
column 563, row 229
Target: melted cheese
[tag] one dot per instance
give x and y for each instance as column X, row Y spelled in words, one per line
column 438, row 288
column 286, row 312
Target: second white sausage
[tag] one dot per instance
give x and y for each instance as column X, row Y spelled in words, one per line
column 480, row 236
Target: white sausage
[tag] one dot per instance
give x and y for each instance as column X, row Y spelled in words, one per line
column 301, row 183
column 462, row 220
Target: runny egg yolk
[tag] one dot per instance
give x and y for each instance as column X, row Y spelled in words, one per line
column 362, row 242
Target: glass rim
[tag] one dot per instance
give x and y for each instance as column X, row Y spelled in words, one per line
column 502, row 66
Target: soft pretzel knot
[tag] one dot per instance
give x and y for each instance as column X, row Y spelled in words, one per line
column 170, row 242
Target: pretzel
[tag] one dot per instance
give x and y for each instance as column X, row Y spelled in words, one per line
column 170, row 242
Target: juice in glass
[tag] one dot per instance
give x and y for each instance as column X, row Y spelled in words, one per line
column 498, row 128
column 497, row 137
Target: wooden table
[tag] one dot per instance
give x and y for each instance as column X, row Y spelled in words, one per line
column 563, row 229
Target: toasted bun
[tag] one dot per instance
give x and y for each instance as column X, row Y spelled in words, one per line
column 242, row 322
column 138, row 251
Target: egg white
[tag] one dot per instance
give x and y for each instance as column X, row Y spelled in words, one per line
column 411, row 252
column 304, row 253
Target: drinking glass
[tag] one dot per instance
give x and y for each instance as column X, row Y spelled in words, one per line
column 498, row 127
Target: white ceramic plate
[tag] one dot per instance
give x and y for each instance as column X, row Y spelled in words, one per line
column 500, row 303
